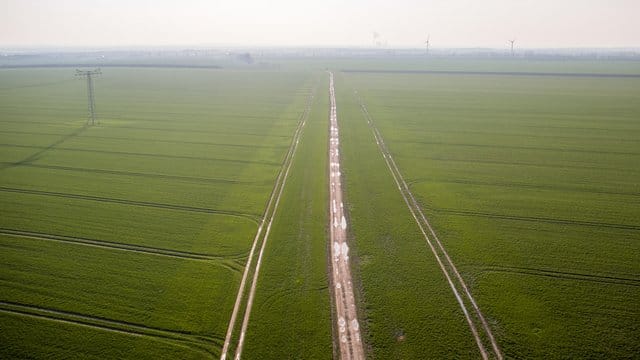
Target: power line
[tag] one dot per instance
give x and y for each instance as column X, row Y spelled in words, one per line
column 90, row 97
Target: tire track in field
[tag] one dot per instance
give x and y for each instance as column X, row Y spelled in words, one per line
column 194, row 117
column 230, row 261
column 482, row 333
column 43, row 84
column 30, row 132
column 24, row 122
column 522, row 134
column 253, row 218
column 522, row 186
column 161, row 156
column 260, row 240
column 279, row 294
column 177, row 130
column 516, row 147
column 547, row 220
column 40, row 113
column 519, row 163
column 212, row 132
column 169, row 156
column 147, row 139
column 184, row 339
column 140, row 174
column 604, row 279
column 139, row 139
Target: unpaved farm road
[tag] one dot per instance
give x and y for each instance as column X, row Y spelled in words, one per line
column 349, row 339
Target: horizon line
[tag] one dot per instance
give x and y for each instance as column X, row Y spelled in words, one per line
column 300, row 46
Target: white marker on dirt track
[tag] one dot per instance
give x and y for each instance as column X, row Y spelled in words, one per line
column 343, row 223
column 345, row 250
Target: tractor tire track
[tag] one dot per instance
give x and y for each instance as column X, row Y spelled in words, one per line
column 140, row 174
column 159, row 156
column 520, row 163
column 206, row 143
column 261, row 239
column 30, row 132
column 522, row 186
column 149, row 139
column 246, row 121
column 31, row 122
column 43, row 84
column 250, row 217
column 193, row 115
column 515, row 147
column 168, row 156
column 179, row 130
column 137, row 139
column 449, row 270
column 223, row 260
column 176, row 337
column 275, row 296
column 535, row 219
column 546, row 136
column 127, row 153
column 603, row 279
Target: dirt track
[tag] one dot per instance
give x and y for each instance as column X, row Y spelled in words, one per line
column 349, row 339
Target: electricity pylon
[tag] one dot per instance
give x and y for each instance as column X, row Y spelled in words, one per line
column 512, row 41
column 92, row 103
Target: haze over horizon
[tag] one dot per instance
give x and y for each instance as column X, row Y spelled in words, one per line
column 402, row 23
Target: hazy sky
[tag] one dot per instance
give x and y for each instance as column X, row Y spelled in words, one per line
column 400, row 23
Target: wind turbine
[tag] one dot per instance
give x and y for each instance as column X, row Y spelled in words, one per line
column 512, row 41
column 376, row 38
column 427, row 43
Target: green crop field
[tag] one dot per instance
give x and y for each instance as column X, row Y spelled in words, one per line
column 127, row 238
column 533, row 185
